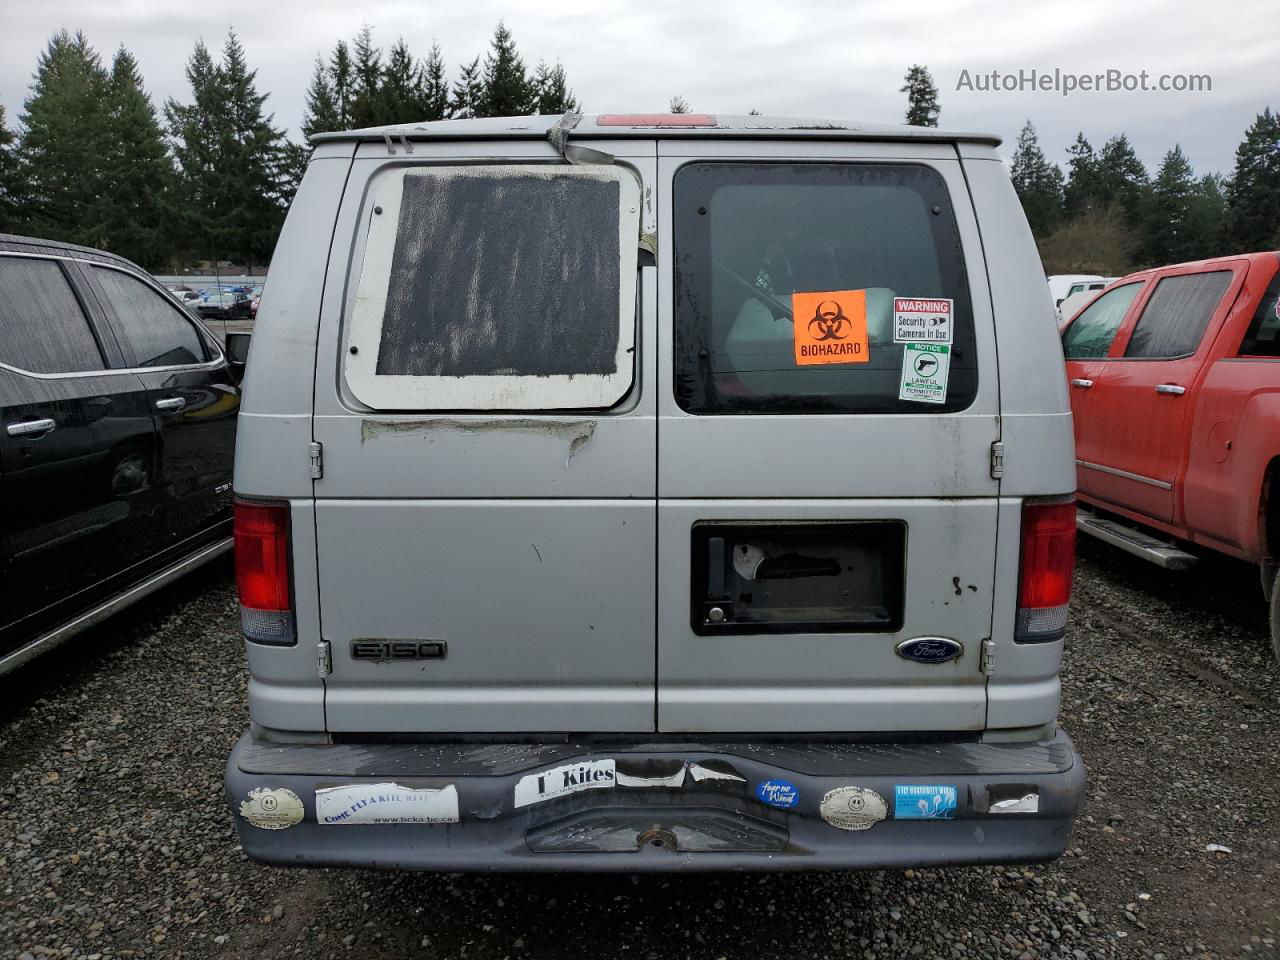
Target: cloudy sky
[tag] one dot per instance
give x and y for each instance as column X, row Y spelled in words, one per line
column 828, row 58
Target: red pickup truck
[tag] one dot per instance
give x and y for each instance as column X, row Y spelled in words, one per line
column 1175, row 391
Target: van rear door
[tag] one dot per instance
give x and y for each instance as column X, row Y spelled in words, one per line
column 485, row 518
column 827, row 511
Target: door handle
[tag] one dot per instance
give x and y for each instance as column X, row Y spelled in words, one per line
column 1082, row 384
column 171, row 403
column 1170, row 388
column 25, row 428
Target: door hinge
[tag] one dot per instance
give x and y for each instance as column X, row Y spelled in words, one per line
column 317, row 460
column 997, row 459
column 324, row 659
column 988, row 657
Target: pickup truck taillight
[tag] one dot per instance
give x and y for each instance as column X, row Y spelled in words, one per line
column 1048, row 559
column 262, row 571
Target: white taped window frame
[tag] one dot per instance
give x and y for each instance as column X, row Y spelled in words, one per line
column 528, row 392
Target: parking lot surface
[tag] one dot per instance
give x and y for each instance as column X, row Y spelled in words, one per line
column 115, row 839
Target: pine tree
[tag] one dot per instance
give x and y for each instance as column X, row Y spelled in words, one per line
column 402, row 89
column 321, row 113
column 1253, row 194
column 1122, row 180
column 342, row 80
column 435, row 86
column 552, row 91
column 65, row 137
column 507, row 91
column 678, row 104
column 1081, row 191
column 366, row 94
column 138, row 177
column 10, row 185
column 1205, row 218
column 922, row 98
column 467, row 92
column 1037, row 182
column 231, row 158
column 1167, row 227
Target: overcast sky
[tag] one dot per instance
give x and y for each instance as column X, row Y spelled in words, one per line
column 830, row 58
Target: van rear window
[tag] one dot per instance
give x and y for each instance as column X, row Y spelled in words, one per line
column 497, row 287
column 820, row 288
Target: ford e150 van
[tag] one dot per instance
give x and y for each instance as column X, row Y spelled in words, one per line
column 650, row 493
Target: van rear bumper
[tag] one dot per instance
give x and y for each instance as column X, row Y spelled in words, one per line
column 641, row 820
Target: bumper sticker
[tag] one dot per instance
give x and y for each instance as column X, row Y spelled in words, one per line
column 272, row 808
column 922, row 320
column 853, row 808
column 1028, row 804
column 925, row 368
column 385, row 803
column 778, row 793
column 562, row 781
column 924, row 802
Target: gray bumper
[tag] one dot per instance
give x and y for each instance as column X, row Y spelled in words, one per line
column 712, row 820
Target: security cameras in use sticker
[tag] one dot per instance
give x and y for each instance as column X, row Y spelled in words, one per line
column 922, row 320
column 830, row 326
column 925, row 368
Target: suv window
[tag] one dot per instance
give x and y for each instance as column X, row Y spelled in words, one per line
column 1091, row 333
column 154, row 333
column 867, row 256
column 1175, row 317
column 1263, row 338
column 43, row 328
column 504, row 287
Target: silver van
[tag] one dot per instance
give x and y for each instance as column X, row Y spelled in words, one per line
column 654, row 492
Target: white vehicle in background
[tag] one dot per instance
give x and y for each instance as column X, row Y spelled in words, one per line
column 1079, row 296
column 1061, row 284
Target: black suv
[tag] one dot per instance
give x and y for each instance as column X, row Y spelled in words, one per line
column 117, row 437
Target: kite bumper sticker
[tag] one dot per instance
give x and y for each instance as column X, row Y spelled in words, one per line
column 272, row 809
column 386, row 803
column 925, row 368
column 830, row 326
column 562, row 781
column 853, row 808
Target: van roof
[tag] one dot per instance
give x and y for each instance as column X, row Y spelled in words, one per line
column 666, row 125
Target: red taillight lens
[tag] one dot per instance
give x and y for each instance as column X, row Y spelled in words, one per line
column 1048, row 560
column 262, row 571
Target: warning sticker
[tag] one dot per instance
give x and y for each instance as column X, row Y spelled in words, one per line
column 830, row 326
column 921, row 320
column 925, row 367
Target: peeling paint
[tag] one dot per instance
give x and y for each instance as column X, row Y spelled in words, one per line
column 576, row 433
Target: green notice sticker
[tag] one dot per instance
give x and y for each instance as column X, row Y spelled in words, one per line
column 925, row 367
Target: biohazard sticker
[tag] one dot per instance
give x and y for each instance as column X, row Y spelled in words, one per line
column 272, row 809
column 920, row 320
column 925, row 367
column 830, row 326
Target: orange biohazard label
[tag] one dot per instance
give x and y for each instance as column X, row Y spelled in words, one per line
column 830, row 326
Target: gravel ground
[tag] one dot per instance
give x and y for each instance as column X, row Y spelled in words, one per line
column 115, row 841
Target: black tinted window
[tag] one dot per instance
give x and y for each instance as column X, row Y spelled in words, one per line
column 1263, row 338
column 42, row 327
column 1174, row 319
column 153, row 331
column 1091, row 333
column 869, row 254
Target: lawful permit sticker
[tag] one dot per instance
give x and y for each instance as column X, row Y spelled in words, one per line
column 272, row 808
column 922, row 320
column 925, row 368
column 922, row 801
column 830, row 326
column 386, row 803
column 853, row 808
column 561, row 781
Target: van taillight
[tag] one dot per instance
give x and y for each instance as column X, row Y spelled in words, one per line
column 262, row 571
column 1048, row 560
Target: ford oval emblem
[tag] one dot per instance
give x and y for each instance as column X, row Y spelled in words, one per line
column 930, row 649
